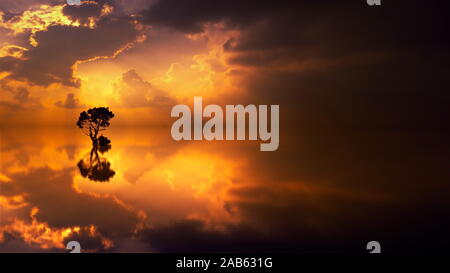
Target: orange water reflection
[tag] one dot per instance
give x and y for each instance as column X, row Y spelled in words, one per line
column 171, row 196
column 156, row 182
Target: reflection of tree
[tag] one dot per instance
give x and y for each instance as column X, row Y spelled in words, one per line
column 95, row 167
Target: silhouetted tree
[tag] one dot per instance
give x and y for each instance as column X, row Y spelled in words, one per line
column 94, row 121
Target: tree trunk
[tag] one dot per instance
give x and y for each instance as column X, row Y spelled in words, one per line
column 94, row 141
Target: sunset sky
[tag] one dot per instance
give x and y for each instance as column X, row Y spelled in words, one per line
column 141, row 57
column 57, row 59
column 364, row 113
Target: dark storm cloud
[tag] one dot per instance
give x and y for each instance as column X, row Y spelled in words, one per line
column 351, row 64
column 91, row 9
column 301, row 29
column 189, row 16
column 60, row 47
column 84, row 12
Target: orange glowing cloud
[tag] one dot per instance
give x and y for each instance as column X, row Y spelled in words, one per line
column 37, row 19
column 38, row 233
column 41, row 18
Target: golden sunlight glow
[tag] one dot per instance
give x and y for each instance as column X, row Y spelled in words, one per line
column 205, row 178
column 41, row 18
column 37, row 20
column 208, row 74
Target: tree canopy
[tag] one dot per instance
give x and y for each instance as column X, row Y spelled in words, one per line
column 94, row 120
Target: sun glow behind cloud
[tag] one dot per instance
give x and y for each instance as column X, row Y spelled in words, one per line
column 191, row 73
column 37, row 20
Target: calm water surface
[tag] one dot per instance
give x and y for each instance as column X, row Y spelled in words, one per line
column 148, row 193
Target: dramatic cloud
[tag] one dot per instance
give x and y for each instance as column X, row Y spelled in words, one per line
column 61, row 47
column 304, row 30
column 311, row 57
column 84, row 12
column 190, row 16
column 64, row 36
